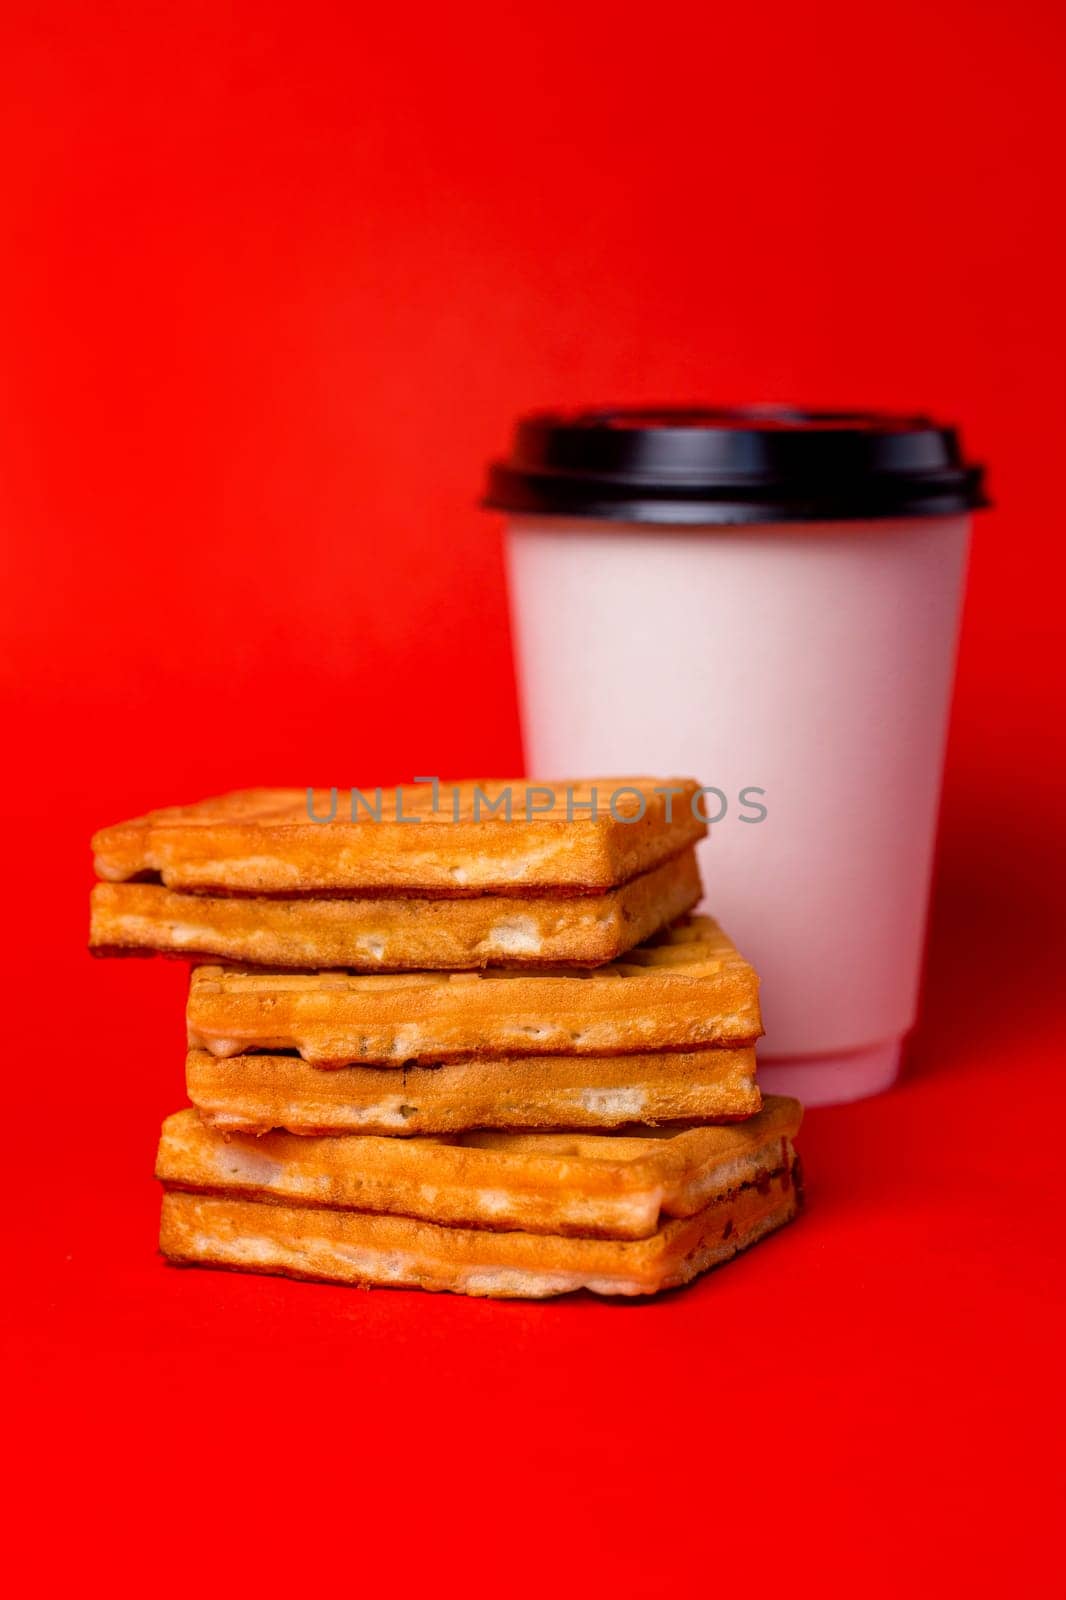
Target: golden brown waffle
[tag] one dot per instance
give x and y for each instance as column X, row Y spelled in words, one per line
column 600, row 1186
column 390, row 933
column 263, row 841
column 688, row 988
column 253, row 1093
column 354, row 1247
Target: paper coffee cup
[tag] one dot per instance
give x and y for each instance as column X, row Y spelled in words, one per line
column 767, row 601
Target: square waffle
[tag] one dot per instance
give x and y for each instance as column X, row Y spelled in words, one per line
column 391, row 933
column 744, row 1198
column 620, row 1186
column 254, row 1093
column 429, row 839
column 687, row 988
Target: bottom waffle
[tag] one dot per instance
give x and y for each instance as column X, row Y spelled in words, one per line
column 594, row 1185
column 687, row 1200
column 253, row 1093
column 352, row 1247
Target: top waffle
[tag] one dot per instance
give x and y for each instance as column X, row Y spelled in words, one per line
column 422, row 839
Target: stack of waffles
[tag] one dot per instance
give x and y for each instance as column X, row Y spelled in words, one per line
column 467, row 1037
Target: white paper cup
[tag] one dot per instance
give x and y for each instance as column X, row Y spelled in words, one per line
column 803, row 671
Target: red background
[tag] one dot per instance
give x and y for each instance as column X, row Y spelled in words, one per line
column 275, row 280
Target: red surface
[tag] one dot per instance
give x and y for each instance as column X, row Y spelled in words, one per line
column 275, row 281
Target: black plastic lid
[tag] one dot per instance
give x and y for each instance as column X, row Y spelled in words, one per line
column 739, row 464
